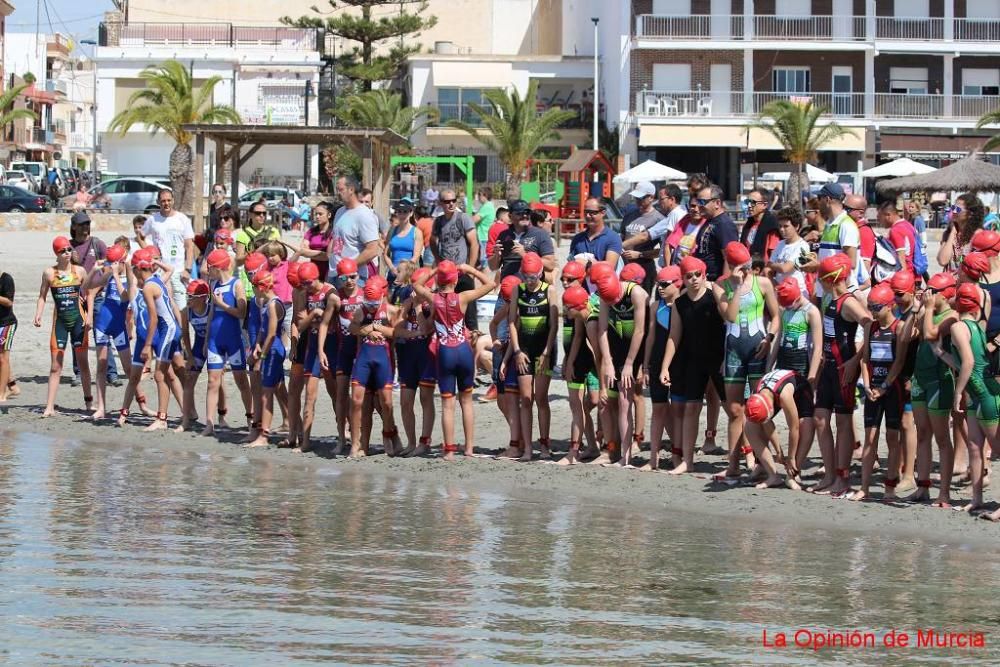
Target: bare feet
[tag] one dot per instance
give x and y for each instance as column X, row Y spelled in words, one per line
column 992, row 516
column 921, row 495
column 13, row 391
column 906, row 484
column 208, row 431
column 144, row 408
column 420, row 450
column 252, row 436
column 568, row 460
column 679, row 469
column 824, row 487
column 857, row 496
column 357, row 453
column 772, row 482
column 157, row 425
column 261, row 441
column 470, row 451
column 98, row 415
column 49, row 412
column 222, row 422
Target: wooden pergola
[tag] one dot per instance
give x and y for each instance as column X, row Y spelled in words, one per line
column 238, row 143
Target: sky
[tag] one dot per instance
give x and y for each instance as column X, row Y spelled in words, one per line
column 77, row 18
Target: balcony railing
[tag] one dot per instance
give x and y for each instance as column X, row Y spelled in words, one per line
column 723, row 104
column 697, row 26
column 839, row 28
column 888, row 27
column 39, row 135
column 209, row 34
column 977, row 30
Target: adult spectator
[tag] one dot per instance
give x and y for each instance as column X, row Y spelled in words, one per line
column 499, row 226
column 857, row 207
column 520, row 238
column 967, row 216
column 454, row 238
column 87, row 249
column 431, row 198
column 215, row 207
column 902, row 235
column 638, row 248
column 695, row 184
column 913, row 213
column 791, row 251
column 815, row 223
column 368, row 199
column 483, row 219
column 683, row 240
column 718, row 231
column 670, row 203
column 425, row 223
column 171, row 232
column 760, row 231
column 355, row 232
column 253, row 235
column 405, row 241
column 317, row 238
column 596, row 243
column 840, row 234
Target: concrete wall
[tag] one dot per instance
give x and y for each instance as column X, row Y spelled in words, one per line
column 58, row 223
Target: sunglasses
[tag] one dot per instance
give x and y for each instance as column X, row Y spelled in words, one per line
column 876, row 307
column 448, row 201
column 812, row 210
column 663, row 285
column 590, row 212
column 566, row 279
column 349, row 276
column 65, row 250
column 754, row 202
column 258, row 212
column 849, row 208
column 692, row 274
column 532, row 276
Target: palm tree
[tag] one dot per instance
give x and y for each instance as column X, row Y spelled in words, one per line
column 380, row 108
column 8, row 114
column 796, row 127
column 990, row 118
column 513, row 129
column 167, row 103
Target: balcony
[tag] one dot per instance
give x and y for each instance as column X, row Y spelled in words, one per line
column 686, row 105
column 581, row 121
column 40, row 135
column 836, row 28
column 977, row 30
column 58, row 44
column 56, row 86
column 224, row 35
column 696, row 26
column 889, row 27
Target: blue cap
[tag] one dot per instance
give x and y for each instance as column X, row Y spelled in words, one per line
column 832, row 190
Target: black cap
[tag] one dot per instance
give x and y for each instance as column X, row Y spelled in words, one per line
column 404, row 206
column 519, row 206
column 832, row 190
column 80, row 218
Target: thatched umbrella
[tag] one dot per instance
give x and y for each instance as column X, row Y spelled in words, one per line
column 970, row 174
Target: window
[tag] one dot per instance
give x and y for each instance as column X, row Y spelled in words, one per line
column 112, row 187
column 980, row 82
column 982, row 10
column 786, row 8
column 454, row 104
column 672, row 7
column 908, row 80
column 672, row 78
column 912, row 9
column 790, row 80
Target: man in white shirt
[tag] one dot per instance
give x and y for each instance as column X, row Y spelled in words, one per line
column 355, row 232
column 172, row 233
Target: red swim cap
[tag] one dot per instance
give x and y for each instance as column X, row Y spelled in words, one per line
column 263, row 279
column 293, row 274
column 507, row 287
column 373, row 290
column 308, row 272
column 255, row 261
column 976, row 265
column 142, row 258
column 574, row 270
column 447, row 273
column 737, row 254
column 633, row 273
column 881, row 295
column 690, row 264
column 944, row 283
column 576, row 297
column 60, row 243
column 609, row 289
column 757, row 409
column 347, row 267
column 224, row 236
column 835, row 268
column 531, row 264
column 419, row 273
column 116, row 253
column 219, row 259
column 600, row 269
column 903, row 281
column 669, row 274
column 967, row 299
column 788, row 292
column 197, row 288
column 987, row 241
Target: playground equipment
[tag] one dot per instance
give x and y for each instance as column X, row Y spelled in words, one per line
column 464, row 164
column 585, row 173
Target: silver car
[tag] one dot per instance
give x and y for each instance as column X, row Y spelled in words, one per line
column 271, row 196
column 23, row 180
column 129, row 195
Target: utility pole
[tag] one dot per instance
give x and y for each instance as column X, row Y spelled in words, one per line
column 305, row 148
column 597, row 81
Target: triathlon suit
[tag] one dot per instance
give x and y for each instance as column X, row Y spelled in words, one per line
column 199, row 323
column 584, row 371
column 413, row 354
column 621, row 329
column 699, row 356
column 312, row 364
column 109, row 324
column 140, row 316
column 252, row 324
column 775, row 382
column 794, row 354
column 993, row 324
column 347, row 350
column 225, row 333
column 983, row 392
column 932, row 385
column 167, row 339
column 658, row 392
column 838, row 348
column 272, row 367
column 456, row 365
column 67, row 320
column 881, row 355
column 532, row 326
column 373, row 367
column 743, row 336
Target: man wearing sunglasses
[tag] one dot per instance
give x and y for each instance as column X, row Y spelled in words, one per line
column 638, row 246
column 596, row 243
column 171, row 231
column 839, row 235
column 857, row 207
column 760, row 233
column 718, row 232
column 521, row 238
column 454, row 238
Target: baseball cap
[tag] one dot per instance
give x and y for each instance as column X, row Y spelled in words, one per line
column 519, row 206
column 832, row 190
column 643, row 189
column 80, row 218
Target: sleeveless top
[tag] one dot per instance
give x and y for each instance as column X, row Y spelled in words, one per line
column 378, row 316
column 348, row 304
column 926, row 362
column 112, row 292
column 411, row 321
column 166, row 320
column 704, row 335
column 533, row 310
column 621, row 316
column 776, row 380
column 140, row 313
column 980, row 384
column 66, row 288
column 881, row 351
column 750, row 321
column 317, row 301
column 449, row 320
column 838, row 333
column 223, row 325
column 277, row 346
column 993, row 324
column 401, row 247
column 199, row 323
column 795, row 343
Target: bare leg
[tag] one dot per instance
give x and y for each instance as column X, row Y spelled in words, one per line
column 83, row 361
column 868, row 455
column 894, row 460
column 975, row 446
column 212, row 401
column 4, row 374
column 660, row 417
column 576, row 425
column 357, row 404
column 960, row 438
column 827, row 450
column 102, row 380
column 266, row 416
column 737, row 444
column 639, row 425
column 942, row 433
column 758, row 436
column 525, row 385
column 589, row 402
column 343, row 411
column 908, row 438
column 309, row 414
column 542, row 381
column 256, row 403
column 689, row 434
column 924, row 455
column 468, row 421
column 390, row 434
column 843, row 453
column 448, row 424
column 55, row 372
column 295, row 385
column 134, row 378
column 509, row 404
column 712, row 421
column 243, row 384
column 407, row 398
column 162, row 397
column 626, row 424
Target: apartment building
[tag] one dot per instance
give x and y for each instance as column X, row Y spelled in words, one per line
column 6, row 9
column 908, row 77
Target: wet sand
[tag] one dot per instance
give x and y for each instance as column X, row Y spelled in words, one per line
column 24, row 254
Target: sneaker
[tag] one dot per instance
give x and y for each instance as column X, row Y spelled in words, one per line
column 490, row 395
column 115, row 381
column 75, row 381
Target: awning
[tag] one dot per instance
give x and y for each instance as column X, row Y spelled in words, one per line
column 464, row 75
column 724, row 136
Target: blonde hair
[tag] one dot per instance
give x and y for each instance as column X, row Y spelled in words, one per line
column 404, row 270
column 274, row 248
column 123, row 242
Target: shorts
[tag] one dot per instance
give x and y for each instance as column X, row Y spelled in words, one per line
column 935, row 393
column 889, row 404
column 165, row 346
column 584, row 373
column 805, row 399
column 109, row 329
column 689, row 380
column 223, row 353
column 411, row 362
column 498, row 381
column 7, row 337
column 985, row 408
column 456, row 369
column 619, row 352
column 178, row 289
column 830, row 395
column 272, row 368
column 346, row 354
column 740, row 360
column 534, row 348
column 373, row 367
column 299, row 352
column 64, row 333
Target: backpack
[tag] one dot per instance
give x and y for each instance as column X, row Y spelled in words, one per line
column 885, row 261
column 919, row 258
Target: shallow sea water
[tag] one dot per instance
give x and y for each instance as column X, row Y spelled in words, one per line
column 112, row 554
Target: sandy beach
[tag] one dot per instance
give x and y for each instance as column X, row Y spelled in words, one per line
column 25, row 254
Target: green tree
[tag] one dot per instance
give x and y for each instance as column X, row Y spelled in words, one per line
column 380, row 108
column 8, row 114
column 991, row 118
column 513, row 129
column 796, row 127
column 375, row 59
column 167, row 103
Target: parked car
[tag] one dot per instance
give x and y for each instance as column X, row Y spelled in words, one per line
column 272, row 196
column 38, row 170
column 18, row 200
column 70, row 182
column 22, row 180
column 130, row 195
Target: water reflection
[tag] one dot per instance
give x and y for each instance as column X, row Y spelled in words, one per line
column 230, row 560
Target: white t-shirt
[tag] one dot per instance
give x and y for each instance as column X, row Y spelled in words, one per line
column 353, row 229
column 789, row 252
column 669, row 223
column 169, row 235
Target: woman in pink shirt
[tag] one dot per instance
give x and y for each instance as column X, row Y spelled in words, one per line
column 317, row 238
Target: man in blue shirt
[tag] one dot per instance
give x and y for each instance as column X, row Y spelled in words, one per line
column 596, row 243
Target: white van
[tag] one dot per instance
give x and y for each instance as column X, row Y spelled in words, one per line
column 39, row 170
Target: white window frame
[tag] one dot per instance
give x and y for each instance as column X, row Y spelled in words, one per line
column 908, row 80
column 676, row 67
column 806, row 79
column 978, row 82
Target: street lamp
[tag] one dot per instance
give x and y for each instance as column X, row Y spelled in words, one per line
column 93, row 111
column 597, row 82
column 305, row 148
